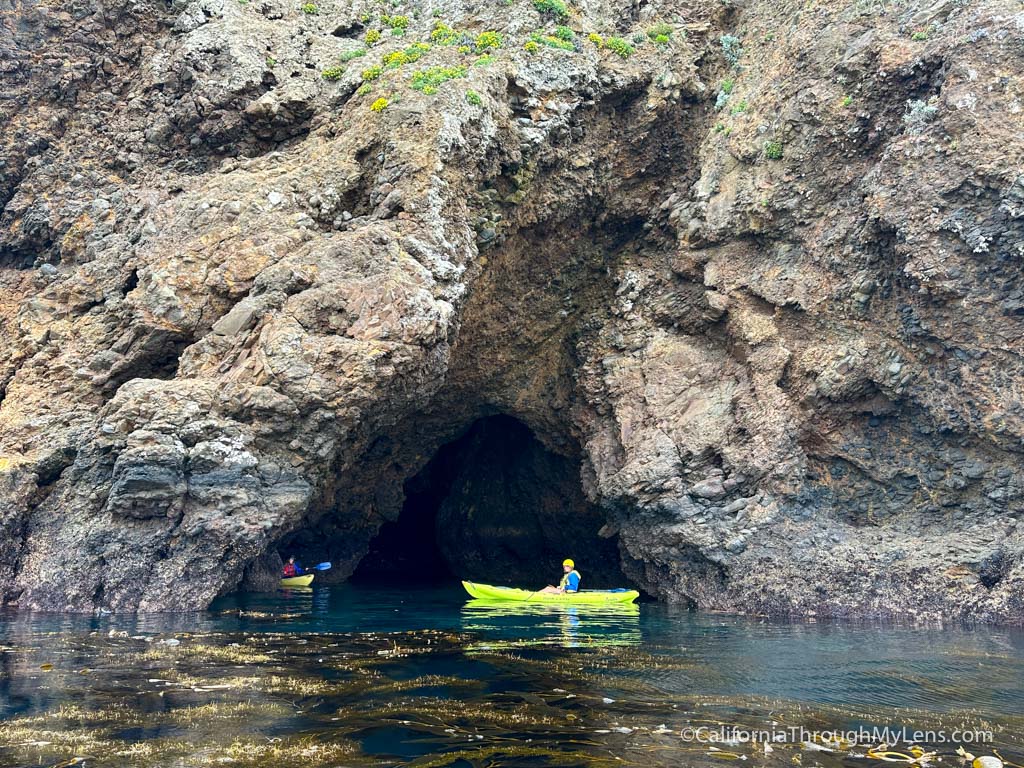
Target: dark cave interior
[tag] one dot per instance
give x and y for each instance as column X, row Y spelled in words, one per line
column 496, row 506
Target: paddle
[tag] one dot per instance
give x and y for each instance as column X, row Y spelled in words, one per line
column 319, row 567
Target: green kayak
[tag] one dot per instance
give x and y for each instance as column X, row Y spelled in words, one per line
column 584, row 596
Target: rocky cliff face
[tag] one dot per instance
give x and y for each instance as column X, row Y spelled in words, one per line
column 752, row 268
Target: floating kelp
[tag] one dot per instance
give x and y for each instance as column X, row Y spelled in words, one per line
column 426, row 699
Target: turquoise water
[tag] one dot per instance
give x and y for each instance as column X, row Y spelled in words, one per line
column 358, row 676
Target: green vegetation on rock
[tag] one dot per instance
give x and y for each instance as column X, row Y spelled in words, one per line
column 919, row 114
column 660, row 30
column 311, row 9
column 408, row 55
column 732, row 49
column 555, row 8
column 428, row 80
column 487, row 40
column 442, row 34
column 551, row 41
column 773, row 150
column 474, row 98
column 619, row 46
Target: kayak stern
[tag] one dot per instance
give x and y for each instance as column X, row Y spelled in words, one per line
column 298, row 581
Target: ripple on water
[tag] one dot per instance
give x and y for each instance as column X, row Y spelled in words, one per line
column 448, row 683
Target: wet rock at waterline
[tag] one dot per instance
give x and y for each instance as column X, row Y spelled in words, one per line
column 770, row 315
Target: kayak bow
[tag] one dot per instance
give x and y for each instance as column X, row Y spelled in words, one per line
column 586, row 596
column 298, row 581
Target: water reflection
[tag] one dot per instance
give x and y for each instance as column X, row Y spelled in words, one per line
column 569, row 626
column 371, row 677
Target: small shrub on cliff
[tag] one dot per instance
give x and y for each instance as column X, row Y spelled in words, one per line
column 372, row 36
column 396, row 59
column 918, row 115
column 398, row 22
column 333, row 73
column 379, row 105
column 596, row 39
column 484, row 60
column 732, row 49
column 474, row 98
column 919, row 36
column 551, row 41
column 660, row 29
column 427, row 80
column 347, row 56
column 487, row 40
column 371, row 73
column 773, row 150
column 740, row 108
column 555, row 8
column 531, row 46
column 847, row 101
column 619, row 46
column 364, row 89
column 310, row 9
column 271, row 62
column 442, row 34
column 565, row 33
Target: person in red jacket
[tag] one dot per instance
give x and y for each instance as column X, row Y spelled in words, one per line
column 292, row 568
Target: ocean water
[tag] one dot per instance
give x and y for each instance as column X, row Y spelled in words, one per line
column 354, row 676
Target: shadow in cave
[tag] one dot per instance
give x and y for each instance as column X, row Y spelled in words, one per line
column 494, row 506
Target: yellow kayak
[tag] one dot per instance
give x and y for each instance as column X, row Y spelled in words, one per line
column 583, row 597
column 298, row 581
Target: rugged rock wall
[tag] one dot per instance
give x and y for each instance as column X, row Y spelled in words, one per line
column 764, row 272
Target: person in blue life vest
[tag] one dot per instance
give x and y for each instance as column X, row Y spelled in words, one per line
column 292, row 568
column 570, row 580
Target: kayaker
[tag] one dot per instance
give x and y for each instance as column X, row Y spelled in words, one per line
column 292, row 568
column 570, row 580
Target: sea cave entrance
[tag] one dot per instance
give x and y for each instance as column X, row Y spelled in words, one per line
column 494, row 505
